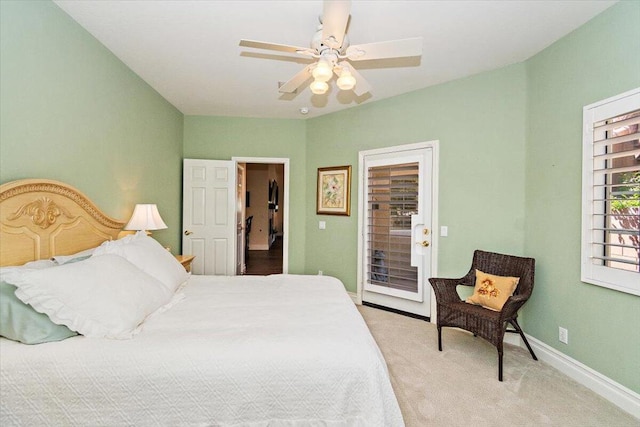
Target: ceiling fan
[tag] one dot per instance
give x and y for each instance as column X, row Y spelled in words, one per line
column 330, row 47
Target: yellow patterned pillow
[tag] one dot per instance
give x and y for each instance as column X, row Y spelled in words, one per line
column 492, row 291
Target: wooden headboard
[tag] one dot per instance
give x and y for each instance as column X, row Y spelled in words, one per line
column 41, row 218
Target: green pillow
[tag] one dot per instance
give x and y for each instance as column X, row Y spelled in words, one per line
column 20, row 322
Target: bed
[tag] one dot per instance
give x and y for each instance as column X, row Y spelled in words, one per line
column 280, row 350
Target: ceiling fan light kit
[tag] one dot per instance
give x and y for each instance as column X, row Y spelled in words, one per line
column 323, row 71
column 318, row 87
column 330, row 45
column 346, row 81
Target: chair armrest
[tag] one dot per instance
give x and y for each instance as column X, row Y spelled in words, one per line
column 445, row 289
column 512, row 305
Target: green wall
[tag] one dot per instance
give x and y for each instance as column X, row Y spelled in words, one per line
column 222, row 138
column 480, row 124
column 71, row 111
column 597, row 61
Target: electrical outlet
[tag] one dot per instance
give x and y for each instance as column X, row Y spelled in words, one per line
column 319, row 272
column 563, row 335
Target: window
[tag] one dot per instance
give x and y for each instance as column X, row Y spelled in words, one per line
column 611, row 193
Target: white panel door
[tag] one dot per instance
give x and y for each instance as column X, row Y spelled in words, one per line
column 397, row 228
column 209, row 215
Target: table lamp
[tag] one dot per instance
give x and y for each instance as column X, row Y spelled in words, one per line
column 145, row 217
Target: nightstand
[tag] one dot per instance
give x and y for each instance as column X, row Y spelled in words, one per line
column 186, row 261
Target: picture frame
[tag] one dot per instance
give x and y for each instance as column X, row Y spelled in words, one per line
column 333, row 193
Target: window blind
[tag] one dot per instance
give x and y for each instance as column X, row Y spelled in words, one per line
column 392, row 199
column 616, row 192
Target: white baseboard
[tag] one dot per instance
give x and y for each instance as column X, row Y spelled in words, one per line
column 616, row 393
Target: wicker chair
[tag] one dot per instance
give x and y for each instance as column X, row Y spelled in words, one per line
column 488, row 324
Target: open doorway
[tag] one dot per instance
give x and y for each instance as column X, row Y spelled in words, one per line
column 264, row 216
column 214, row 218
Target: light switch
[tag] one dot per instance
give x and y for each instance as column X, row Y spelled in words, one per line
column 444, row 231
column 322, row 225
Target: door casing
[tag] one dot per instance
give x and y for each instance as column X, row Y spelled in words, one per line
column 241, row 188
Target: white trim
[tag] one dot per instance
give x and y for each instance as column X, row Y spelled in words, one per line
column 435, row 233
column 434, row 146
column 621, row 396
column 285, row 214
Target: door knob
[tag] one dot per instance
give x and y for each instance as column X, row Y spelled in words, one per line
column 424, row 243
column 187, row 232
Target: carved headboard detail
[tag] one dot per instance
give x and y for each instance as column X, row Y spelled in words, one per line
column 43, row 212
column 41, row 218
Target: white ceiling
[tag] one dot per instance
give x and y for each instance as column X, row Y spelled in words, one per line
column 188, row 50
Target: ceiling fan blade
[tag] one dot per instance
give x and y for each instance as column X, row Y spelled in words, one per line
column 362, row 86
column 278, row 47
column 298, row 80
column 389, row 49
column 335, row 15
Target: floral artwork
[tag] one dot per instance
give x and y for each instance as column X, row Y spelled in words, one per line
column 333, row 190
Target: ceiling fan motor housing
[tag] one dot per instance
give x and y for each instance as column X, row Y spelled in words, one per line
column 319, row 46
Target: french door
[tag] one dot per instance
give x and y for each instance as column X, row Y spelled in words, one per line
column 396, row 247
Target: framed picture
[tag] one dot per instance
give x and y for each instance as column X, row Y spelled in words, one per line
column 334, row 191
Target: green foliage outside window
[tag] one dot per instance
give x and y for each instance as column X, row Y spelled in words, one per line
column 630, row 184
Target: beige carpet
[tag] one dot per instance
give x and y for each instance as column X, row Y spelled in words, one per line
column 459, row 386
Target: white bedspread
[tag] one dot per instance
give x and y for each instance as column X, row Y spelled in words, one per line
column 279, row 350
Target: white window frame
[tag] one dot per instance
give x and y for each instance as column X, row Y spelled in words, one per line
column 608, row 277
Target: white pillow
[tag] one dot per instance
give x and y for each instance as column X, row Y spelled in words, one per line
column 104, row 296
column 37, row 265
column 149, row 256
column 31, row 265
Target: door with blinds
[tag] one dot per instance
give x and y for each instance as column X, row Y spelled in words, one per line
column 396, row 228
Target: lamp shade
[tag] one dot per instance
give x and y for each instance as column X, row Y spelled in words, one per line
column 318, row 87
column 346, row 81
column 145, row 217
column 323, row 71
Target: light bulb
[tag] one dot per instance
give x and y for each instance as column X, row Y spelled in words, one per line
column 346, row 81
column 318, row 87
column 323, row 71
